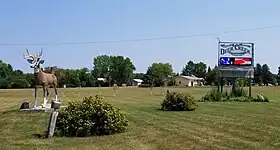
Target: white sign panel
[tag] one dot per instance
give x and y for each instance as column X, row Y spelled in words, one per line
column 228, row 49
column 235, row 73
column 236, row 59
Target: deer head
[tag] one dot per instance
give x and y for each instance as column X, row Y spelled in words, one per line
column 34, row 60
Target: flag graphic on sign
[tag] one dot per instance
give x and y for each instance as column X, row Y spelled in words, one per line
column 235, row 61
column 226, row 61
column 242, row 61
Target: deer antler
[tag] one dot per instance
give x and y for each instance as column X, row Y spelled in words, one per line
column 28, row 55
column 41, row 52
column 38, row 55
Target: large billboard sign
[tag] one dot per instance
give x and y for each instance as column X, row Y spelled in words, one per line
column 235, row 54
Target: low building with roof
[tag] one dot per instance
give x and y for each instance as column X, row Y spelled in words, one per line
column 186, row 81
column 136, row 82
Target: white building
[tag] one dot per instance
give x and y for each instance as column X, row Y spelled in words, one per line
column 186, row 81
column 136, row 82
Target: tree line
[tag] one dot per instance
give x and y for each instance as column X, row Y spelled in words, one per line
column 120, row 70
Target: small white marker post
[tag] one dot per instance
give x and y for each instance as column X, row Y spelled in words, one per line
column 52, row 123
column 55, row 105
column 100, row 90
column 115, row 86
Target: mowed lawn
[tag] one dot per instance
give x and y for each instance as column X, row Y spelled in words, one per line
column 212, row 126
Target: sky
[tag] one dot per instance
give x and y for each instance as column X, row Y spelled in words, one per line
column 50, row 22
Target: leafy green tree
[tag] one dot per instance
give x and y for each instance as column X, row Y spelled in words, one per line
column 31, row 79
column 196, row 69
column 19, row 83
column 258, row 74
column 211, row 76
column 267, row 76
column 189, row 69
column 101, row 65
column 200, row 70
column 171, row 79
column 84, row 75
column 121, row 69
column 4, row 84
column 157, row 73
column 114, row 68
column 139, row 76
column 278, row 76
column 5, row 69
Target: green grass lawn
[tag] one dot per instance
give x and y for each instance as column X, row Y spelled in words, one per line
column 211, row 126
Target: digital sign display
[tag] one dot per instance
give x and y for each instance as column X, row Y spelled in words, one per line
column 227, row 61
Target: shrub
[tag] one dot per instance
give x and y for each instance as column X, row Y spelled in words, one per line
column 260, row 98
column 90, row 117
column 238, row 92
column 214, row 95
column 239, row 99
column 178, row 102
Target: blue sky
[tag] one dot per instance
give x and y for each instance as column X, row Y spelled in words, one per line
column 52, row 21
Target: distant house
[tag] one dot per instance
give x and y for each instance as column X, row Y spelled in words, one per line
column 136, row 82
column 101, row 79
column 185, row 81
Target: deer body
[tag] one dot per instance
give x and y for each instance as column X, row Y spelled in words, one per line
column 42, row 78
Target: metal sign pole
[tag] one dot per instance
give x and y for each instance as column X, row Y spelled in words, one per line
column 250, row 87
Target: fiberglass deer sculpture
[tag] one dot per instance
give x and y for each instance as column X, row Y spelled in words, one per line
column 41, row 78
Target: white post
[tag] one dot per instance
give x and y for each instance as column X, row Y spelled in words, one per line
column 52, row 123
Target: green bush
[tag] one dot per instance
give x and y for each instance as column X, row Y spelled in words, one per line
column 213, row 95
column 238, row 92
column 178, row 102
column 238, row 95
column 260, row 98
column 239, row 99
column 90, row 117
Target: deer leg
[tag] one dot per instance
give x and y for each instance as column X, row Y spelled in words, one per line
column 55, row 90
column 45, row 96
column 48, row 93
column 35, row 97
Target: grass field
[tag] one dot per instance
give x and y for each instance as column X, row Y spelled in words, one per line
column 211, row 126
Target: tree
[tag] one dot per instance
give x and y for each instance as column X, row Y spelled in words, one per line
column 278, row 76
column 114, row 68
column 72, row 78
column 18, row 73
column 266, row 75
column 10, row 78
column 31, row 79
column 139, row 76
column 61, row 77
column 101, row 66
column 257, row 74
column 200, row 70
column 83, row 76
column 121, row 69
column 5, row 69
column 157, row 73
column 189, row 69
column 211, row 76
column 196, row 69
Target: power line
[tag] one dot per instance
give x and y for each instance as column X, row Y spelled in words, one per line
column 144, row 39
